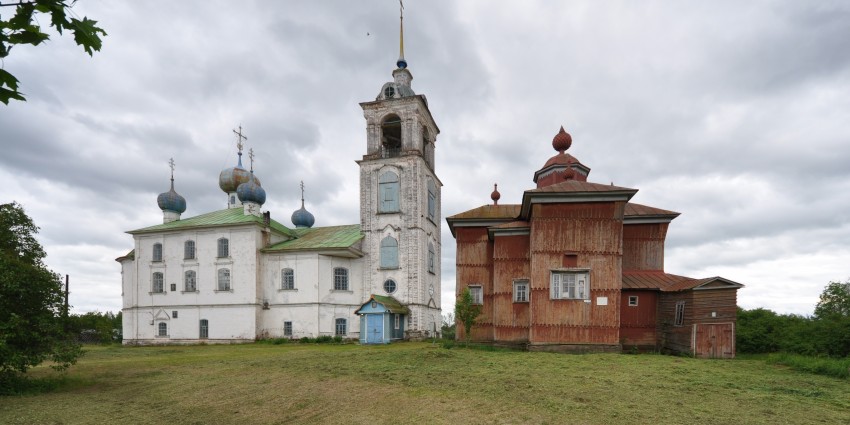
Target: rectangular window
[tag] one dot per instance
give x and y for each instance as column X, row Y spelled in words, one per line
column 477, row 294
column 205, row 329
column 287, row 279
column 633, row 300
column 189, row 250
column 223, row 248
column 431, row 257
column 521, row 291
column 397, row 321
column 572, row 285
column 223, row 279
column 173, row 314
column 173, row 287
column 680, row 313
column 157, row 252
column 157, row 284
column 340, row 279
column 287, row 328
column 341, row 327
column 432, row 200
column 163, row 329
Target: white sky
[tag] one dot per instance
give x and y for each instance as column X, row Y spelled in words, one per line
column 734, row 114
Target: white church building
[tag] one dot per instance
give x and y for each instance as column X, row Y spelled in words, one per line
column 236, row 275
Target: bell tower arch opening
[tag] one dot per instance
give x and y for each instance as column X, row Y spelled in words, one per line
column 391, row 136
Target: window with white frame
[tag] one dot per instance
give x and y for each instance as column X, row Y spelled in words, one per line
column 163, row 329
column 388, row 188
column 431, row 258
column 680, row 313
column 223, row 248
column 204, row 331
column 570, row 285
column 633, row 300
column 341, row 328
column 190, row 280
column 521, row 291
column 189, row 250
column 287, row 328
column 287, row 278
column 223, row 280
column 157, row 284
column 389, row 286
column 340, row 279
column 477, row 294
column 389, row 253
column 157, row 252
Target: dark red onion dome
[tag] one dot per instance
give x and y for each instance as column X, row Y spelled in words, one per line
column 495, row 196
column 562, row 141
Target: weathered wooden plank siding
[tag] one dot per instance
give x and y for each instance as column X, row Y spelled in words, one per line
column 510, row 262
column 475, row 267
column 593, row 233
column 638, row 323
column 643, row 246
column 672, row 337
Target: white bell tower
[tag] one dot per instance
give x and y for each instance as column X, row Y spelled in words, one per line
column 400, row 201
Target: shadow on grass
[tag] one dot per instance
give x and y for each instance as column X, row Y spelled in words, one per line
column 16, row 384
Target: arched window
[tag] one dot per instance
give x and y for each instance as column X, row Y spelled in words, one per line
column 163, row 329
column 190, row 281
column 340, row 279
column 287, row 279
column 388, row 185
column 223, row 279
column 389, row 253
column 189, row 250
column 223, row 248
column 157, row 282
column 431, row 258
column 157, row 252
column 391, row 136
column 204, row 331
column 341, row 328
column 432, row 200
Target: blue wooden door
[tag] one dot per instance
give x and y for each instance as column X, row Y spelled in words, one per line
column 374, row 328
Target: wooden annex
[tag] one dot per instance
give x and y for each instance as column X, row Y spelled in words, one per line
column 577, row 267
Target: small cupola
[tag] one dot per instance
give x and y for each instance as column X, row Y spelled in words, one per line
column 495, row 195
column 562, row 166
column 303, row 219
column 171, row 203
column 231, row 178
column 251, row 194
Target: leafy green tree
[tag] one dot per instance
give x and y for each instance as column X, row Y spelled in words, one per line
column 31, row 301
column 834, row 301
column 449, row 326
column 466, row 311
column 23, row 28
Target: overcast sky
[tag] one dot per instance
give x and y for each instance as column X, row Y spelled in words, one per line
column 733, row 113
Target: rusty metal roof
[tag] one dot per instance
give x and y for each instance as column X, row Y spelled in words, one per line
column 636, row 210
column 576, row 186
column 667, row 282
column 511, row 225
column 507, row 211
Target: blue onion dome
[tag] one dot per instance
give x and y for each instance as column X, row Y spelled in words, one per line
column 303, row 218
column 251, row 191
column 230, row 178
column 171, row 201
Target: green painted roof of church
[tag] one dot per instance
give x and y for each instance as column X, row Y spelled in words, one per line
column 332, row 237
column 391, row 304
column 225, row 217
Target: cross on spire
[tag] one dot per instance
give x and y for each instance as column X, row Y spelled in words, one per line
column 171, row 165
column 251, row 157
column 302, row 193
column 240, row 139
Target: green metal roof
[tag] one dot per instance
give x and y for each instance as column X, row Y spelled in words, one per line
column 320, row 238
column 226, row 217
column 391, row 304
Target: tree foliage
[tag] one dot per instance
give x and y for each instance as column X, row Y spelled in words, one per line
column 466, row 311
column 96, row 327
column 834, row 301
column 31, row 300
column 23, row 28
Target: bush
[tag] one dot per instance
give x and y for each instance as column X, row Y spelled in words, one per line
column 306, row 340
column 324, row 339
column 338, row 339
column 839, row 368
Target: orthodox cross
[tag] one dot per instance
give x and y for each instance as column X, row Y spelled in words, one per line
column 302, row 193
column 240, row 139
column 251, row 157
column 171, row 165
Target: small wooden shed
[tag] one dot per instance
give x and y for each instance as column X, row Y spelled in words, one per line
column 381, row 320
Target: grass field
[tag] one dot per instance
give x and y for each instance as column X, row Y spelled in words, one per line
column 417, row 382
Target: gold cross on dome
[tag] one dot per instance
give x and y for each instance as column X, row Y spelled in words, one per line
column 240, row 138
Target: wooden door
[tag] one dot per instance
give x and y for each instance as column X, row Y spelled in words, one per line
column 714, row 340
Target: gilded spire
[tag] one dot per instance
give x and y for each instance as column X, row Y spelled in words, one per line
column 401, row 63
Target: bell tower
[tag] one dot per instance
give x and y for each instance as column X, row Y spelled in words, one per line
column 400, row 200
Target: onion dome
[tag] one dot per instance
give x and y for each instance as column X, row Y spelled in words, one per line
column 495, row 196
column 251, row 191
column 231, row 178
column 562, row 141
column 171, row 201
column 303, row 218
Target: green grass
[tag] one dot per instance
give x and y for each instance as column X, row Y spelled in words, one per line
column 417, row 382
column 839, row 368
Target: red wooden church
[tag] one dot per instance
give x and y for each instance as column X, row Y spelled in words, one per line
column 577, row 267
